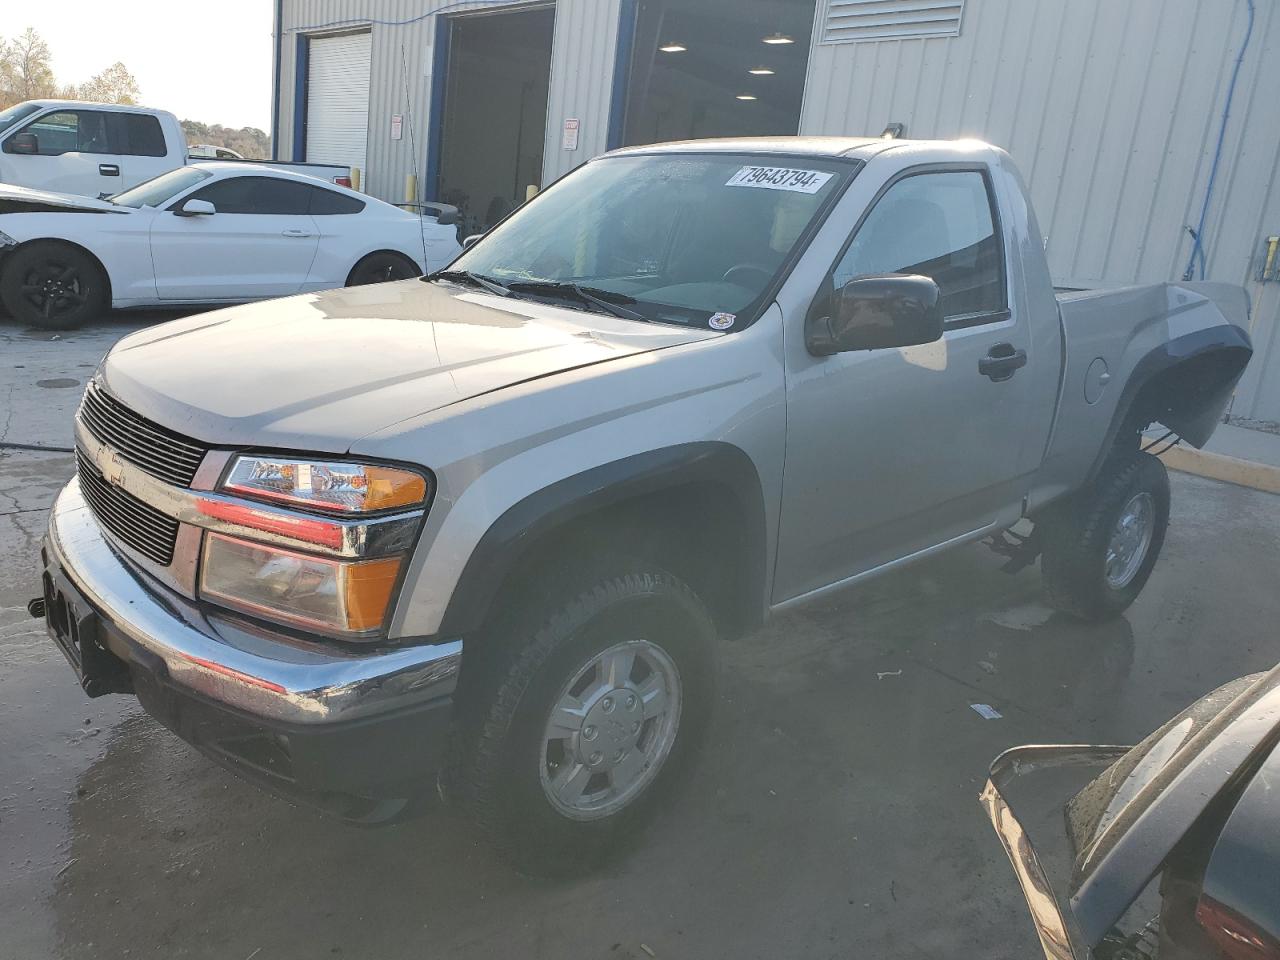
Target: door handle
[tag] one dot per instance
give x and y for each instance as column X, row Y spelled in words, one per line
column 109, row 169
column 1002, row 362
column 296, row 232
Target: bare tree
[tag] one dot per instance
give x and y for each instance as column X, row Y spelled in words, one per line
column 113, row 85
column 25, row 73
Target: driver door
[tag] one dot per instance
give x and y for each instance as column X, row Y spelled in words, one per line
column 259, row 243
column 891, row 452
column 74, row 153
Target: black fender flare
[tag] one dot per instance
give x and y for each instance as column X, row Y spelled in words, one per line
column 1195, row 424
column 718, row 464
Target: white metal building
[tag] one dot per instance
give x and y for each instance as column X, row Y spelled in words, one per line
column 1112, row 108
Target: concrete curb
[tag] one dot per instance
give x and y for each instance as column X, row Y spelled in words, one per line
column 1216, row 466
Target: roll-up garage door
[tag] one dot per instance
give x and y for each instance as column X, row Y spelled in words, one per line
column 338, row 99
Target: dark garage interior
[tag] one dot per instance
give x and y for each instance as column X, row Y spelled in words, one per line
column 717, row 68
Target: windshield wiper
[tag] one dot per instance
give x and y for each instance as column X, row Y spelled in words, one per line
column 466, row 276
column 589, row 295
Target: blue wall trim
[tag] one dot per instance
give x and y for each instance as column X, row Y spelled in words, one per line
column 435, row 121
column 300, row 71
column 275, row 81
column 621, row 73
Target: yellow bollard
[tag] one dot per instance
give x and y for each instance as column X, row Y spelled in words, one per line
column 410, row 190
column 355, row 178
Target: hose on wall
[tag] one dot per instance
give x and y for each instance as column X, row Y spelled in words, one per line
column 1197, row 235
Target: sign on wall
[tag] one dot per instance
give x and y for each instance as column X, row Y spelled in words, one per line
column 571, row 133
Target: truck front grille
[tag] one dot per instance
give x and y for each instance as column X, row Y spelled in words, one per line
column 137, row 524
column 166, row 455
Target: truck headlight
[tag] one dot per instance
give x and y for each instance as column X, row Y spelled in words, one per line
column 308, row 591
column 312, row 579
column 326, row 485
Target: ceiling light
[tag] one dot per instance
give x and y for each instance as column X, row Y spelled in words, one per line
column 776, row 38
column 746, row 96
column 760, row 72
column 673, row 48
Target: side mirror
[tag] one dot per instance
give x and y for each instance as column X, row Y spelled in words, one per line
column 27, row 143
column 195, row 208
column 874, row 313
column 471, row 241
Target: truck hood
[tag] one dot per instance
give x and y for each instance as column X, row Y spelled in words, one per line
column 319, row 371
column 15, row 199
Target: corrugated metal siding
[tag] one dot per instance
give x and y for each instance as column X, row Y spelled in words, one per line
column 582, row 61
column 581, row 78
column 1111, row 109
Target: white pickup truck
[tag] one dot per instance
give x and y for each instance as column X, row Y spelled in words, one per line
column 100, row 149
column 498, row 520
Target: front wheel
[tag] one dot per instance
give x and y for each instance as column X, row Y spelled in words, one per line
column 581, row 729
column 53, row 286
column 1099, row 548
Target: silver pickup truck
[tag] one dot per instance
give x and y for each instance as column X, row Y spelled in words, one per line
column 484, row 531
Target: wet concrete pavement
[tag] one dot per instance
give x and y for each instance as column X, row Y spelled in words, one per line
column 834, row 814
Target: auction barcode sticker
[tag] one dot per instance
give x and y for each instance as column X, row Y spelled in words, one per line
column 780, row 178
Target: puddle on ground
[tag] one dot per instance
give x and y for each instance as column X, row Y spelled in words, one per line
column 1026, row 617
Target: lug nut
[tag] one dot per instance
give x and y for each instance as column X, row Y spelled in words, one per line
column 607, row 704
column 631, row 701
column 617, row 757
column 589, row 732
column 595, row 758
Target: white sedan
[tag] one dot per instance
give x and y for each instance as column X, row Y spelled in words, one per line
column 208, row 233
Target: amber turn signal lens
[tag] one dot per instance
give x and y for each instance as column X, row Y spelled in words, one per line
column 387, row 488
column 368, row 587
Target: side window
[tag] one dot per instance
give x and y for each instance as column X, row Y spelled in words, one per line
column 70, row 131
column 260, row 195
column 939, row 225
column 143, row 136
column 330, row 202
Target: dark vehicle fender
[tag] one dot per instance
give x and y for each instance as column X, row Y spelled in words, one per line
column 716, row 475
column 1185, row 384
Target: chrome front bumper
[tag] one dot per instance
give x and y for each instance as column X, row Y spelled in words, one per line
column 266, row 675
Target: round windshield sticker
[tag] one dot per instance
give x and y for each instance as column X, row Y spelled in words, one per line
column 721, row 321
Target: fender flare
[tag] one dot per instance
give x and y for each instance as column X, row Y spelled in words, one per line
column 509, row 538
column 1197, row 425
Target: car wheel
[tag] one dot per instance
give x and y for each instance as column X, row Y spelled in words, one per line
column 1100, row 547
column 578, row 731
column 53, row 286
column 382, row 267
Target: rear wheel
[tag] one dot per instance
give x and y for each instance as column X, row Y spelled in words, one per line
column 576, row 732
column 1099, row 548
column 53, row 286
column 381, row 267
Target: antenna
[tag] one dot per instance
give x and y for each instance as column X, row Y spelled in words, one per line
column 413, row 153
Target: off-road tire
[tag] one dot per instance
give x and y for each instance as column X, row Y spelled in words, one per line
column 524, row 665
column 85, row 286
column 1075, row 536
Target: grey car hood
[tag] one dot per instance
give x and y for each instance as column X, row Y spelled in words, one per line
column 319, row 371
column 15, row 199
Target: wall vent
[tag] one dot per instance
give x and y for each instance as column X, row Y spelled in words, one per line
column 851, row 21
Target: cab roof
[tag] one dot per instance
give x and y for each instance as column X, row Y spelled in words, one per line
column 862, row 148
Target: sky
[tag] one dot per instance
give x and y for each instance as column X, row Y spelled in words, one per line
column 209, row 62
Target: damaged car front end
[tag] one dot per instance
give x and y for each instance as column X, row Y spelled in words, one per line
column 1171, row 850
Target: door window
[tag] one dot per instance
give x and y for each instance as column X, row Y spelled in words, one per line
column 938, row 225
column 260, row 195
column 70, row 131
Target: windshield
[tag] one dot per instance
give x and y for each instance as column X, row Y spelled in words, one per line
column 159, row 190
column 11, row 116
column 690, row 239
